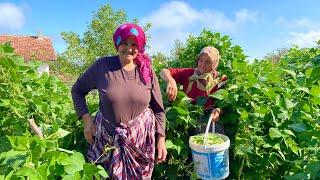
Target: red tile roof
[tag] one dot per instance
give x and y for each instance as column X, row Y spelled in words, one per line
column 31, row 47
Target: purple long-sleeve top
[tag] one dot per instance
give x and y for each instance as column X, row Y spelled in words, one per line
column 122, row 94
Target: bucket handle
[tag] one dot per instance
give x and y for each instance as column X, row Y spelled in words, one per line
column 207, row 130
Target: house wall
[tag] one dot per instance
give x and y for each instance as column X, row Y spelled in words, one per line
column 44, row 67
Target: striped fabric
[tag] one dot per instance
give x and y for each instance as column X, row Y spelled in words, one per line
column 132, row 156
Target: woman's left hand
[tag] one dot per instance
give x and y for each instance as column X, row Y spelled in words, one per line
column 161, row 148
column 215, row 114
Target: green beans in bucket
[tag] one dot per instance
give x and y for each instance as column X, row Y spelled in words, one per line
column 211, row 139
column 210, row 154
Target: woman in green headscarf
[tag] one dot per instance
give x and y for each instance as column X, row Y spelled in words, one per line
column 200, row 81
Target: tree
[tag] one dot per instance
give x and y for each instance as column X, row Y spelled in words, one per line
column 97, row 40
column 65, row 70
column 276, row 55
column 159, row 61
column 176, row 51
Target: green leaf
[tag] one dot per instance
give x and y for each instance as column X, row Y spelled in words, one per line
column 18, row 61
column 4, row 144
column 299, row 127
column 180, row 110
column 183, row 120
column 58, row 134
column 43, row 169
column 7, row 47
column 306, row 107
column 283, row 115
column 202, row 100
column 282, row 155
column 298, row 176
column 292, row 73
column 90, row 170
column 289, row 132
column 240, row 150
column 13, row 159
column 19, row 142
column 267, row 146
column 102, row 171
column 277, row 100
column 171, row 114
column 289, row 104
column 29, row 172
column 75, row 176
column 315, row 73
column 5, row 102
column 181, row 95
column 308, row 72
column 36, row 151
column 169, row 144
column 76, row 163
column 244, row 115
column 220, row 94
column 314, row 169
column 176, row 145
column 179, row 145
column 233, row 87
column 292, row 145
column 315, row 91
column 61, row 158
column 303, row 89
column 274, row 133
column 315, row 100
column 239, row 66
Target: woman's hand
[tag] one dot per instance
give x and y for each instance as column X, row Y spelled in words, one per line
column 161, row 148
column 215, row 114
column 223, row 78
column 89, row 128
column 172, row 89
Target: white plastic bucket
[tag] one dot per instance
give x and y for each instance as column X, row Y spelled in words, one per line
column 211, row 162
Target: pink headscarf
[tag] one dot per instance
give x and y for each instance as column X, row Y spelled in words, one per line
column 142, row 60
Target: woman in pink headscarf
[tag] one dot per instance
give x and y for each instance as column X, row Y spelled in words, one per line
column 131, row 117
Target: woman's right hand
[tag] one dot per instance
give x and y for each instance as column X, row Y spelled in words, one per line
column 172, row 89
column 89, row 128
column 216, row 114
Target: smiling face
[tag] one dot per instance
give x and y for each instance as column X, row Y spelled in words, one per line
column 128, row 49
column 205, row 63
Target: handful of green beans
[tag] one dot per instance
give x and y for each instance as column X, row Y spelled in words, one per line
column 211, row 139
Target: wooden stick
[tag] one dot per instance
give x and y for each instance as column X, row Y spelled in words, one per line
column 35, row 128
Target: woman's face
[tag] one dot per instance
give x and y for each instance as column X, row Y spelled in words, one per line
column 128, row 49
column 205, row 63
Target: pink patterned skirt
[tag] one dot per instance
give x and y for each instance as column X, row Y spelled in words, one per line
column 129, row 153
